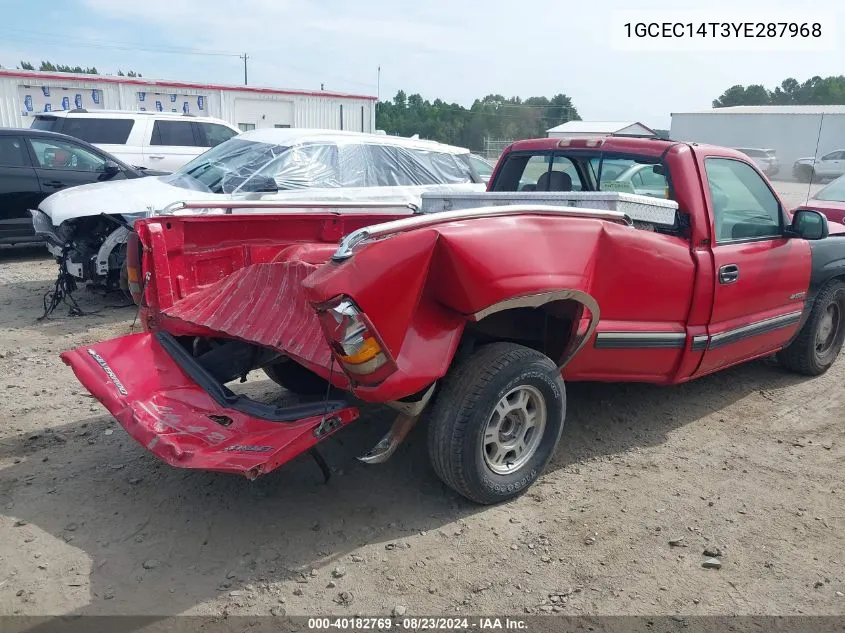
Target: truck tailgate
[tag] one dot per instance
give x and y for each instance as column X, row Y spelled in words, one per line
column 155, row 394
column 262, row 304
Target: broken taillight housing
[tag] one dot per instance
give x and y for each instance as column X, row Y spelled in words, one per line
column 354, row 342
column 133, row 267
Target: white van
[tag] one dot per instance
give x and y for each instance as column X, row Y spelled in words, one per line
column 156, row 140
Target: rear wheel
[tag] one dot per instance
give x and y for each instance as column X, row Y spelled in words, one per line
column 296, row 378
column 496, row 421
column 806, row 174
column 820, row 340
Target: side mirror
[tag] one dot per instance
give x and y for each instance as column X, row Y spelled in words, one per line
column 111, row 168
column 809, row 225
column 659, row 170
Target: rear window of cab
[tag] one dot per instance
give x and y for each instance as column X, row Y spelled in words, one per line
column 569, row 171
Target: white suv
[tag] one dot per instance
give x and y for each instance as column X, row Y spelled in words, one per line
column 155, row 140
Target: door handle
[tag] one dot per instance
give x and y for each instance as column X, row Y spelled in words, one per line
column 728, row 274
column 54, row 183
column 157, row 157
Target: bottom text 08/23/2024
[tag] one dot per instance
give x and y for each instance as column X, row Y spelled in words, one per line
column 416, row 624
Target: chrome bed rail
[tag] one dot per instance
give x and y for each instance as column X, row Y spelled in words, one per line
column 229, row 205
column 356, row 238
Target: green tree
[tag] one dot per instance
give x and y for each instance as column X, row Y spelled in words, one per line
column 814, row 91
column 48, row 66
column 493, row 116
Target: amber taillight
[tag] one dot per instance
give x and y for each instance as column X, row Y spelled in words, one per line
column 133, row 267
column 354, row 342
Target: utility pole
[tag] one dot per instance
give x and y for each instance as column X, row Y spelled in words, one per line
column 244, row 57
column 378, row 85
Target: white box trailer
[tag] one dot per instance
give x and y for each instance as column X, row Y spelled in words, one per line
column 792, row 131
column 26, row 93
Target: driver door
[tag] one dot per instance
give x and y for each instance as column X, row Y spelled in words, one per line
column 60, row 164
column 760, row 277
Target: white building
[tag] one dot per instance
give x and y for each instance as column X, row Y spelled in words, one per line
column 792, row 131
column 25, row 93
column 586, row 129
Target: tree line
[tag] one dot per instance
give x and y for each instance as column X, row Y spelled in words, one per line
column 62, row 68
column 493, row 117
column 814, row 91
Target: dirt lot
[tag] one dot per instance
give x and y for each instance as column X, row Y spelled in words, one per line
column 749, row 461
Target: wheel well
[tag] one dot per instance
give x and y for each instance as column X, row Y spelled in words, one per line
column 547, row 328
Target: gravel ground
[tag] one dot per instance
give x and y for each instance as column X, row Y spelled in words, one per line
column 747, row 463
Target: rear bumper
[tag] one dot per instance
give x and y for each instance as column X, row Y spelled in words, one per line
column 165, row 401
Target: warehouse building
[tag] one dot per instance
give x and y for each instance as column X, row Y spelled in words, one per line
column 588, row 129
column 792, row 131
column 26, row 93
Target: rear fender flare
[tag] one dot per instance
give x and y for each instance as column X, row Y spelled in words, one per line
column 540, row 299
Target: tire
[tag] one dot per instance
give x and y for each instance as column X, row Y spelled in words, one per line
column 296, row 378
column 805, row 174
column 820, row 339
column 466, row 404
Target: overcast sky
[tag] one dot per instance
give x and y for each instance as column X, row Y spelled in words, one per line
column 454, row 50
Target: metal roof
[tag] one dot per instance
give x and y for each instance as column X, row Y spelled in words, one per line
column 768, row 109
column 152, row 83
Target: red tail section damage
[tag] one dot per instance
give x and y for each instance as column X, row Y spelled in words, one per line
column 263, row 304
column 141, row 383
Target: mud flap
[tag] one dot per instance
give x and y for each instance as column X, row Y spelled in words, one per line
column 165, row 404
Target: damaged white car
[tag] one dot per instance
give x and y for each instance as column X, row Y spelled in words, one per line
column 87, row 227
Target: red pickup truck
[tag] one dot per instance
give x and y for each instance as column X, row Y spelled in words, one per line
column 611, row 259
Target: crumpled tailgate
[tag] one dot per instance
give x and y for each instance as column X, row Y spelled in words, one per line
column 263, row 304
column 160, row 405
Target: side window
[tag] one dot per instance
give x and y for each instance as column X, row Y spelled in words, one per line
column 96, row 130
column 178, row 133
column 355, row 167
column 307, row 166
column 395, row 167
column 571, row 180
column 213, row 133
column 538, row 172
column 12, row 152
column 63, row 155
column 832, row 156
column 637, row 179
column 743, row 205
column 441, row 167
column 524, row 179
column 482, row 167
